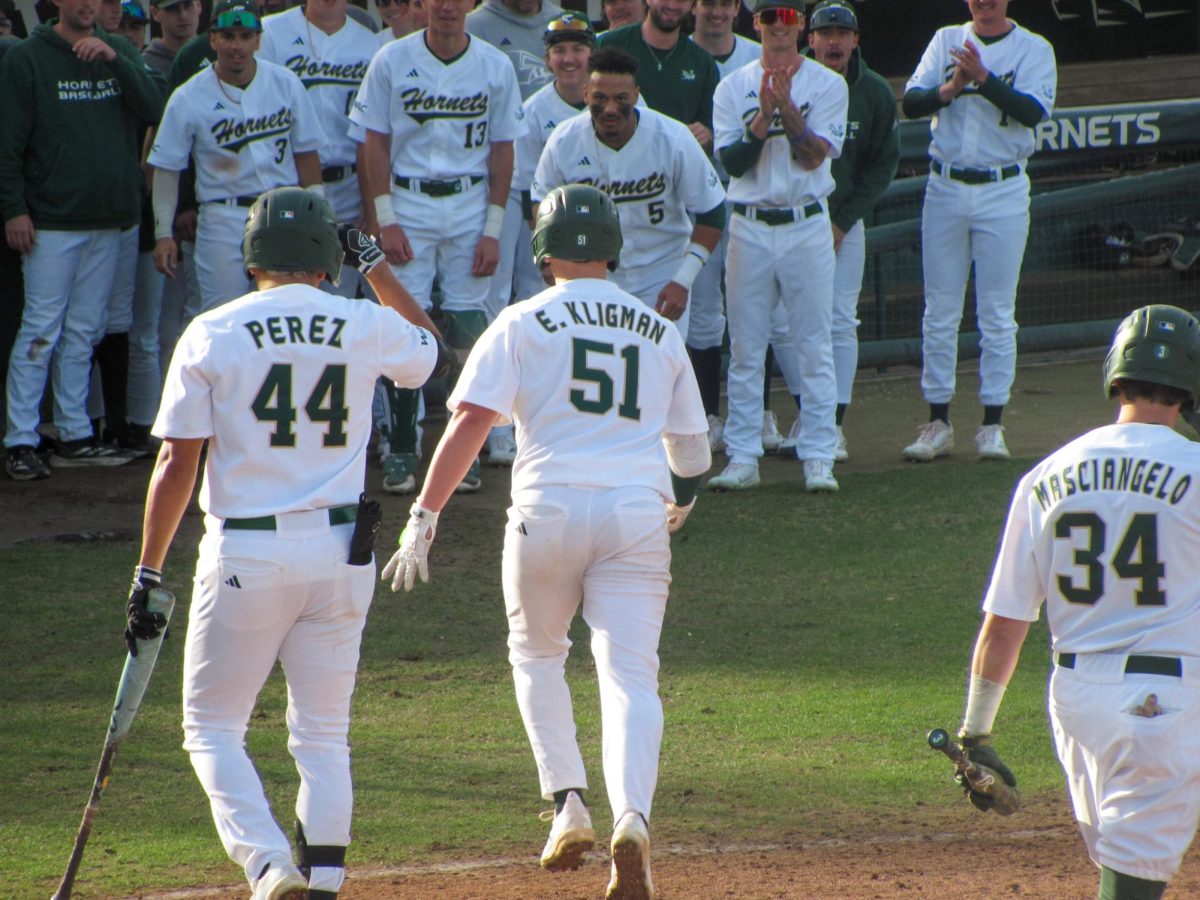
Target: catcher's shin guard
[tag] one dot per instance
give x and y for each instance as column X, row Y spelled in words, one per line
column 314, row 856
column 402, row 415
column 463, row 327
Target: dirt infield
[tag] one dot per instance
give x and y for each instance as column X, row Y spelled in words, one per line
column 1037, row 853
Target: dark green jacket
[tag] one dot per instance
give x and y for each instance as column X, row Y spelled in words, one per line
column 871, row 151
column 193, row 56
column 69, row 150
column 679, row 84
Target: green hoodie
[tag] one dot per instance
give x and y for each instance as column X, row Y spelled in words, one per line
column 69, row 151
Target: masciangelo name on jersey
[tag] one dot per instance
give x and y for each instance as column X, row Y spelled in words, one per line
column 777, row 180
column 442, row 116
column 281, row 381
column 656, row 179
column 972, row 131
column 593, row 379
column 330, row 66
column 1109, row 522
column 243, row 140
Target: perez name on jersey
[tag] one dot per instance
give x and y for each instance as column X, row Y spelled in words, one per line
column 321, row 329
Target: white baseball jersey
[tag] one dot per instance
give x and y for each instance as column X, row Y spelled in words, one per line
column 777, row 180
column 656, row 179
column 744, row 52
column 971, row 131
column 1110, row 522
column 442, row 116
column 243, row 140
column 587, row 373
column 282, row 381
column 330, row 66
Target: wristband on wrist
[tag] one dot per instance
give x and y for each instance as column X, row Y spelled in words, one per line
column 983, row 702
column 144, row 575
column 693, row 262
column 385, row 213
column 495, row 221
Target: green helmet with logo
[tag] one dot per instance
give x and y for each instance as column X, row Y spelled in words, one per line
column 291, row 229
column 1158, row 344
column 577, row 222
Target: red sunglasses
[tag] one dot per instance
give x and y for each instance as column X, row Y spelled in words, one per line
column 783, row 15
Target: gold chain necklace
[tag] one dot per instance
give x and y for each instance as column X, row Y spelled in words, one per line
column 221, row 87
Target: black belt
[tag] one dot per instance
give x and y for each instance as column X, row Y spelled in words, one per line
column 338, row 515
column 777, row 216
column 975, row 176
column 337, row 173
column 245, row 202
column 437, row 188
column 1138, row 665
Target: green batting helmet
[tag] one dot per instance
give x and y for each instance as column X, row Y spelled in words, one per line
column 577, row 222
column 291, row 229
column 1158, row 344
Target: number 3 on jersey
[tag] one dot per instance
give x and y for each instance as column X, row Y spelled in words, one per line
column 326, row 403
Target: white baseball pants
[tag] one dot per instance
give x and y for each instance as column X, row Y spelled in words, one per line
column 516, row 275
column 792, row 264
column 706, row 325
column 180, row 301
column 961, row 224
column 259, row 596
column 610, row 550
column 645, row 282
column 68, row 278
column 145, row 370
column 1134, row 781
column 219, row 265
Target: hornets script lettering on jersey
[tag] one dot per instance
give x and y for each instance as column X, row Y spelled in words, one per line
column 423, row 107
column 314, row 72
column 232, row 135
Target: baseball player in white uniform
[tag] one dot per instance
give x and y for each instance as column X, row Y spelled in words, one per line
column 279, row 384
column 329, row 52
column 643, row 160
column 441, row 110
column 779, row 121
column 614, row 383
column 250, row 126
column 706, row 326
column 1106, row 533
column 987, row 84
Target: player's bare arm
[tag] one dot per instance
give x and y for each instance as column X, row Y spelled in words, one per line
column 20, row 234
column 768, row 106
column 673, row 298
column 458, row 448
column 366, row 221
column 959, row 80
column 500, row 167
column 998, row 647
column 308, row 168
column 809, row 148
column 392, row 239
column 703, row 136
column 170, row 490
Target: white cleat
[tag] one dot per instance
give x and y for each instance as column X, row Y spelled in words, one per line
column 935, row 439
column 736, row 477
column 631, row 860
column 990, row 441
column 840, row 453
column 716, row 434
column 501, row 447
column 772, row 440
column 571, row 836
column 793, row 435
column 818, row 477
column 282, row 881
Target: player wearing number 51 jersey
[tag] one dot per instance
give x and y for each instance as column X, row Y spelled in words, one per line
column 1106, row 533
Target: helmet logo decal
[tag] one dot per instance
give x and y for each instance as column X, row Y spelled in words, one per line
column 287, row 214
column 1166, row 326
column 1161, row 351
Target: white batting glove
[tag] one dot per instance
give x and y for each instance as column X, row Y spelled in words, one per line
column 412, row 557
column 677, row 515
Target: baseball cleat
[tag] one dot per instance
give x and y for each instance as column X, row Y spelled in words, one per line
column 990, row 441
column 736, row 477
column 501, row 447
column 23, row 464
column 793, row 435
column 472, row 481
column 281, row 881
column 818, row 477
column 631, row 860
column 772, row 440
column 840, row 453
column 571, row 836
column 935, row 439
column 85, row 452
column 716, row 434
column 400, row 473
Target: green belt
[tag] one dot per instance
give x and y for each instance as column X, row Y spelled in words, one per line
column 435, row 188
column 776, row 216
column 975, row 176
column 1137, row 665
column 338, row 515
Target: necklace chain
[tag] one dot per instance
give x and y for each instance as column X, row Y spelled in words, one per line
column 221, row 86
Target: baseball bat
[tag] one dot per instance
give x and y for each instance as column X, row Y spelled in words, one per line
column 981, row 781
column 132, row 687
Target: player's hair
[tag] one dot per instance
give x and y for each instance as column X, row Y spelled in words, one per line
column 1130, row 389
column 613, row 61
column 290, row 275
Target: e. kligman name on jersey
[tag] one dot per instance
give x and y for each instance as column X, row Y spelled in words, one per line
column 313, row 72
column 422, row 106
column 1138, row 476
column 234, row 134
column 610, row 315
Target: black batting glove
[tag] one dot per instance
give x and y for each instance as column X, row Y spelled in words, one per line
column 141, row 623
column 979, row 750
column 360, row 248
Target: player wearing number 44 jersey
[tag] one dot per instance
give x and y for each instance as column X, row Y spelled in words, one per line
column 987, row 84
column 279, row 384
column 604, row 401
column 1106, row 532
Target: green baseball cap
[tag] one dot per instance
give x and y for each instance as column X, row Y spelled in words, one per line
column 833, row 14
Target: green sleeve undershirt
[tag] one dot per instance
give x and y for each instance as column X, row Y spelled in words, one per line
column 714, row 218
column 685, row 488
column 739, row 158
column 1008, row 99
column 922, row 102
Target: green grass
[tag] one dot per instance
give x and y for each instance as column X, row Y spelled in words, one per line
column 810, row 643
